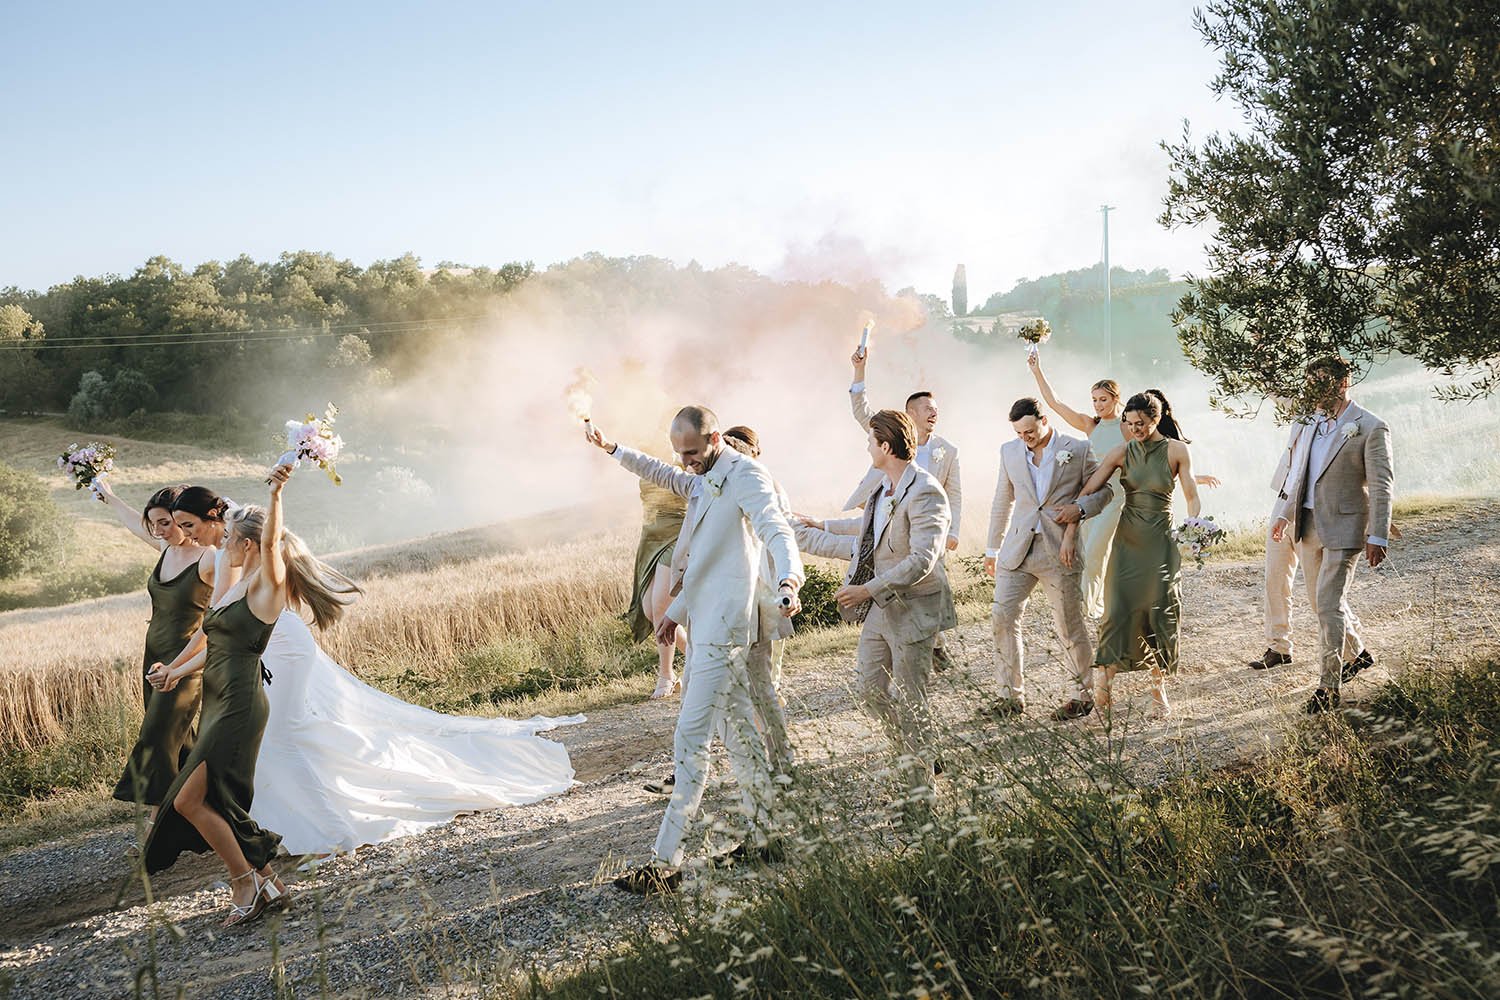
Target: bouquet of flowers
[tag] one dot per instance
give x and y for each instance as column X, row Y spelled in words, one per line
column 1197, row 535
column 1035, row 333
column 88, row 463
column 313, row 438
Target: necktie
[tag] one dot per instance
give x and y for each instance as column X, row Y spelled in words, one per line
column 864, row 566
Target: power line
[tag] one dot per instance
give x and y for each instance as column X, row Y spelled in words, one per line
column 110, row 341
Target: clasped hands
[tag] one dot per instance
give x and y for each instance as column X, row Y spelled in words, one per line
column 160, row 678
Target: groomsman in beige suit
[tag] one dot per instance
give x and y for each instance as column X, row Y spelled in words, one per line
column 1281, row 563
column 897, row 583
column 1338, row 507
column 1036, row 496
column 733, row 516
column 935, row 453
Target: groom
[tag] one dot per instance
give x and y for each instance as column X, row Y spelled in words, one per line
column 1039, row 471
column 733, row 517
column 1339, row 508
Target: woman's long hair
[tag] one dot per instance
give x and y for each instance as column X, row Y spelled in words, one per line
column 1168, row 425
column 310, row 582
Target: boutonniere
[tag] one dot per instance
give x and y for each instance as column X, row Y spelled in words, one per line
column 1350, row 431
column 1064, row 457
column 937, row 455
column 890, row 507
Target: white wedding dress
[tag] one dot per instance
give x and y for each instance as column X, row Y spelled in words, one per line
column 342, row 764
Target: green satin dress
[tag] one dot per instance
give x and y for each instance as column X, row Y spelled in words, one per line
column 1143, row 588
column 234, row 719
column 662, row 512
column 166, row 735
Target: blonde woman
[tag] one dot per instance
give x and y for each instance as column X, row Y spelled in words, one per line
column 208, row 805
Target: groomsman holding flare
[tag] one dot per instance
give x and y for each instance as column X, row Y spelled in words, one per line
column 936, row 454
column 733, row 517
column 1339, row 507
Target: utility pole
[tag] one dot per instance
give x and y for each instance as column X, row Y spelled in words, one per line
column 1109, row 318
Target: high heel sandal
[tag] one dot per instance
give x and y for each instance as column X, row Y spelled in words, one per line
column 665, row 688
column 275, row 891
column 241, row 915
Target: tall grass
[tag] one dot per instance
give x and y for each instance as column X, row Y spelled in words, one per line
column 1360, row 859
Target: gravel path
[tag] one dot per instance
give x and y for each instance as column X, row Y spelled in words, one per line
column 496, row 893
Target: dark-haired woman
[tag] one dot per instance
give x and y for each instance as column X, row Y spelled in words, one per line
column 199, row 512
column 1142, row 592
column 180, row 586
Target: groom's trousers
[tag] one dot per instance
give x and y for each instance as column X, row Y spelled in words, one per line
column 894, row 670
column 716, row 700
column 1329, row 572
column 1281, row 570
column 1064, row 590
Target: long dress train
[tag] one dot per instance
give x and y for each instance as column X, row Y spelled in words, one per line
column 344, row 764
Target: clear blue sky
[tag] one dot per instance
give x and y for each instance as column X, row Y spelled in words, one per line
column 836, row 139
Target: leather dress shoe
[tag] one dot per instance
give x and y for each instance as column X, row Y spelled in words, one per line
column 1270, row 658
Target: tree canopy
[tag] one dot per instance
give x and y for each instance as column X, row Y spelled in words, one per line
column 1358, row 211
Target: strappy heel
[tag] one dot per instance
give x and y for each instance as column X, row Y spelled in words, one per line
column 666, row 688
column 241, row 915
column 275, row 892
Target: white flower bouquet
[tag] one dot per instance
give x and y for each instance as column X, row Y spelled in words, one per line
column 86, row 464
column 1035, row 334
column 313, row 438
column 1197, row 535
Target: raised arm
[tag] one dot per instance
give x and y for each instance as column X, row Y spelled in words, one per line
column 857, row 401
column 1075, row 419
column 267, row 595
column 125, row 514
column 929, row 529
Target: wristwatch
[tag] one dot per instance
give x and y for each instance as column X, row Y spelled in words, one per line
column 1081, row 512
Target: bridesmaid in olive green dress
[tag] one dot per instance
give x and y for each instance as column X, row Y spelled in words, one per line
column 1142, row 592
column 179, row 587
column 208, row 806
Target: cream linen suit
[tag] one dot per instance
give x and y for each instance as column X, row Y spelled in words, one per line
column 1281, row 557
column 763, row 663
column 912, row 603
column 1351, row 496
column 1026, row 543
column 942, row 464
column 733, row 520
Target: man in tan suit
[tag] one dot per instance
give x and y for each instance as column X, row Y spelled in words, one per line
column 1339, row 507
column 733, row 517
column 897, row 582
column 1040, row 470
column 934, row 453
column 1281, row 564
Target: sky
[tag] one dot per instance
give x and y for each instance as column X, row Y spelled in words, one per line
column 808, row 141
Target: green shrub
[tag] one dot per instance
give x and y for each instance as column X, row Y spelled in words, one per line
column 32, row 530
column 818, row 607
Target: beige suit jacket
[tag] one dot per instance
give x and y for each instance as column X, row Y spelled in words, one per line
column 1352, row 496
column 944, row 467
column 910, row 583
column 1017, row 511
column 733, row 520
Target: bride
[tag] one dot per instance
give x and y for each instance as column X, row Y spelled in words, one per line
column 342, row 764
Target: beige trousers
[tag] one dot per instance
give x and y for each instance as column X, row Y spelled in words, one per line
column 893, row 675
column 1281, row 569
column 1329, row 572
column 1064, row 590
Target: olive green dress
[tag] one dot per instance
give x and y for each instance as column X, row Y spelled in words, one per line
column 234, row 718
column 662, row 512
column 166, row 734
column 1143, row 591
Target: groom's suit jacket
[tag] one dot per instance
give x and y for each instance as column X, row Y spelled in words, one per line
column 944, row 467
column 1017, row 510
column 910, row 583
column 1353, row 492
column 733, row 519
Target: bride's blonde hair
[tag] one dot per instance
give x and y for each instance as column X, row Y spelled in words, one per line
column 310, row 582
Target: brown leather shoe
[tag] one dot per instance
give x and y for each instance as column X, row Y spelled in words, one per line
column 1007, row 707
column 1270, row 658
column 1075, row 708
column 1351, row 669
column 1322, row 700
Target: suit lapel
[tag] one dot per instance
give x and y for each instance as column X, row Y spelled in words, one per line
column 1022, row 476
column 707, row 492
column 1353, row 413
column 902, row 488
column 1060, row 473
